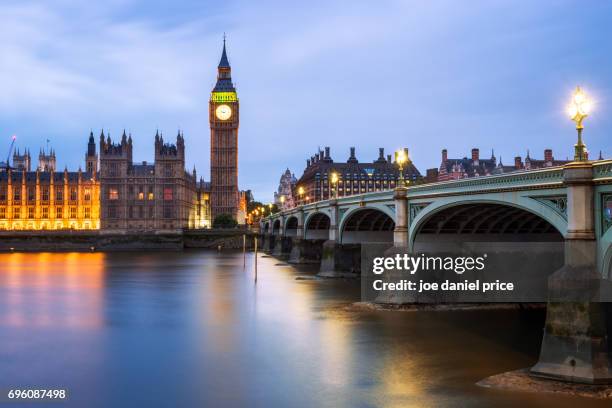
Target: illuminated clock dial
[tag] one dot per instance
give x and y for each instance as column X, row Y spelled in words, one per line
column 223, row 112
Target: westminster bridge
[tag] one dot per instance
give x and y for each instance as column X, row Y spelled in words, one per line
column 565, row 208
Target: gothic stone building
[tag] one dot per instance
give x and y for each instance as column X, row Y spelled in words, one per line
column 286, row 187
column 159, row 196
column 353, row 177
column 46, row 199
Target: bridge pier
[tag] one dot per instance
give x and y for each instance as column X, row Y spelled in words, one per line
column 576, row 345
column 340, row 260
column 268, row 243
column 306, row 251
column 282, row 246
column 400, row 246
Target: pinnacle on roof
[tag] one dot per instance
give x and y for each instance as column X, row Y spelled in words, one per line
column 224, row 63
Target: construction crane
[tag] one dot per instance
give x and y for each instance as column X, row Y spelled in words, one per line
column 10, row 150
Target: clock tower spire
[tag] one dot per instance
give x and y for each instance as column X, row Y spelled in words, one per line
column 223, row 117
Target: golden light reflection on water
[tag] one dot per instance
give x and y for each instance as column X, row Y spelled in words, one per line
column 319, row 334
column 401, row 377
column 52, row 289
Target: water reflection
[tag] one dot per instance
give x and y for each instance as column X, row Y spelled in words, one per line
column 192, row 329
column 52, row 290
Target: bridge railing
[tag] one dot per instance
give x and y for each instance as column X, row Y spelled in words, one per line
column 551, row 177
column 602, row 171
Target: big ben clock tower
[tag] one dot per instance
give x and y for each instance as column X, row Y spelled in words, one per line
column 223, row 116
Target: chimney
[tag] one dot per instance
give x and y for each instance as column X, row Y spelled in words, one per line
column 307, row 163
column 352, row 158
column 444, row 155
column 475, row 154
column 548, row 157
column 406, row 154
column 320, row 155
column 327, row 152
column 381, row 154
column 432, row 175
column 388, row 158
column 518, row 164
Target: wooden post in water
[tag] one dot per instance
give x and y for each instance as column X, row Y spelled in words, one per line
column 243, row 251
column 255, row 259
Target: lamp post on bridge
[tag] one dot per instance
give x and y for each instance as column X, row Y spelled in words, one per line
column 334, row 182
column 574, row 345
column 400, row 158
column 578, row 110
column 282, row 201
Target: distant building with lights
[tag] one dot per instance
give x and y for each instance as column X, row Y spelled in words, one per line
column 475, row 166
column 283, row 197
column 354, row 177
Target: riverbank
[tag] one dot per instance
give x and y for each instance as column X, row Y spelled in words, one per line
column 89, row 241
column 360, row 306
column 520, row 380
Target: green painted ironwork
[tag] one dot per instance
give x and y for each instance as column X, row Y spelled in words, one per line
column 557, row 203
column 415, row 209
column 606, row 213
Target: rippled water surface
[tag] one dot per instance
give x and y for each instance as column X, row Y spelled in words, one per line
column 192, row 329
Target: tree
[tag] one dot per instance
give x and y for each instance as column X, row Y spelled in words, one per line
column 253, row 205
column 224, row 221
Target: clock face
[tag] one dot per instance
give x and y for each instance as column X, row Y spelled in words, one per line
column 223, row 112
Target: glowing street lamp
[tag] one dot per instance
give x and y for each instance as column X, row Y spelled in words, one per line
column 300, row 192
column 334, row 182
column 400, row 158
column 578, row 110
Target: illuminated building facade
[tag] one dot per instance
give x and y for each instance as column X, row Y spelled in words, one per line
column 46, row 199
column 203, row 218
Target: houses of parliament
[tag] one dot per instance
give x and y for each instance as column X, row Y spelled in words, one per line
column 115, row 195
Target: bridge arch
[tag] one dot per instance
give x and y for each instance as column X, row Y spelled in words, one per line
column 276, row 227
column 367, row 224
column 316, row 226
column 291, row 226
column 529, row 209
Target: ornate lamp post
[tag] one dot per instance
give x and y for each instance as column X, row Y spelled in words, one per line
column 400, row 158
column 301, row 194
column 578, row 110
column 334, row 182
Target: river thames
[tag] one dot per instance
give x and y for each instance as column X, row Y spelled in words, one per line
column 192, row 329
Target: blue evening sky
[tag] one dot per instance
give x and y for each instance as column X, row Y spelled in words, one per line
column 427, row 75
